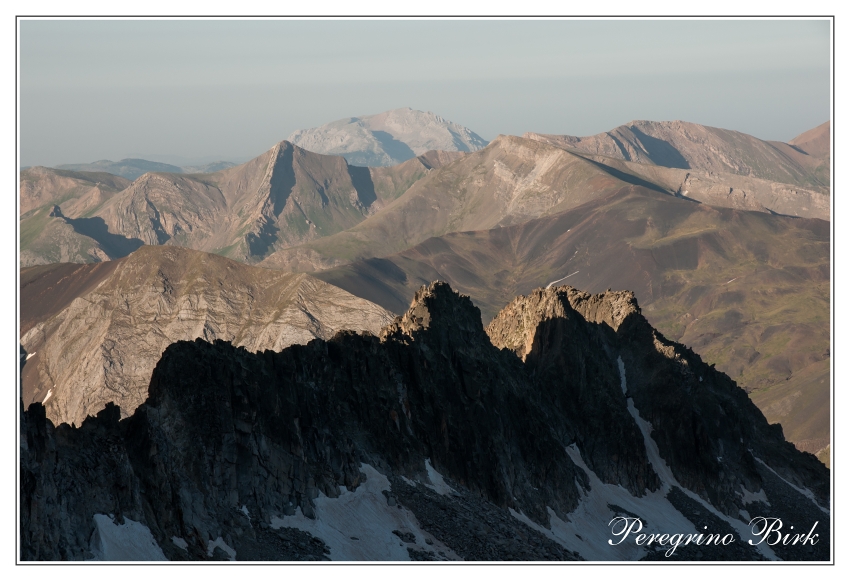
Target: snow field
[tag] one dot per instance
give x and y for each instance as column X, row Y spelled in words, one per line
column 358, row 525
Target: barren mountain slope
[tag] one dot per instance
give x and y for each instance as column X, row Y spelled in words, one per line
column 93, row 333
column 816, row 144
column 726, row 189
column 387, row 138
column 748, row 290
column 684, row 145
column 801, row 405
column 41, row 186
column 510, row 181
column 160, row 207
column 43, row 238
column 47, row 238
column 392, row 182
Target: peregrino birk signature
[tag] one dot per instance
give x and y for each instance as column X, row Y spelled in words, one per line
column 767, row 530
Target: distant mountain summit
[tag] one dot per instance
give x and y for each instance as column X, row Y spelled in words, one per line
column 387, row 138
column 135, row 168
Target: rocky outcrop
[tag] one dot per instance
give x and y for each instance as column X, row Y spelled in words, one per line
column 477, row 453
column 727, row 283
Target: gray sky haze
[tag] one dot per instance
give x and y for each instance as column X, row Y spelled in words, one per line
column 205, row 90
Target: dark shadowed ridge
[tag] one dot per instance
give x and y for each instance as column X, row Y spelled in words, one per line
column 522, row 428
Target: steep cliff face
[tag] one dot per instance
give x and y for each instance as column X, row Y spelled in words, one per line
column 428, row 441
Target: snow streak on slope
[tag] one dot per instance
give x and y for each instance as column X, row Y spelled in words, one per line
column 668, row 480
column 131, row 541
column 359, row 525
column 438, row 485
column 588, row 530
column 804, row 491
column 748, row 497
column 219, row 542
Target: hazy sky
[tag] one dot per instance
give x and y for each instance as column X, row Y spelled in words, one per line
column 205, row 90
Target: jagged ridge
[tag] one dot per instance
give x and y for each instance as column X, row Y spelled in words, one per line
column 273, row 432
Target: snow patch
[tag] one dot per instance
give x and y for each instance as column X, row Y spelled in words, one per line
column 747, row 497
column 47, row 397
column 438, row 485
column 668, row 480
column 180, row 542
column 358, row 525
column 804, row 491
column 131, row 541
column 219, row 542
column 30, row 355
column 588, row 531
column 244, row 510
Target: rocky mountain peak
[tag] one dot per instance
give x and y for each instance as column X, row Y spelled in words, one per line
column 515, row 326
column 437, row 308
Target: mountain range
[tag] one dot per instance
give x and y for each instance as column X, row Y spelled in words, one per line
column 281, row 278
column 503, row 220
column 284, row 197
column 132, row 168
